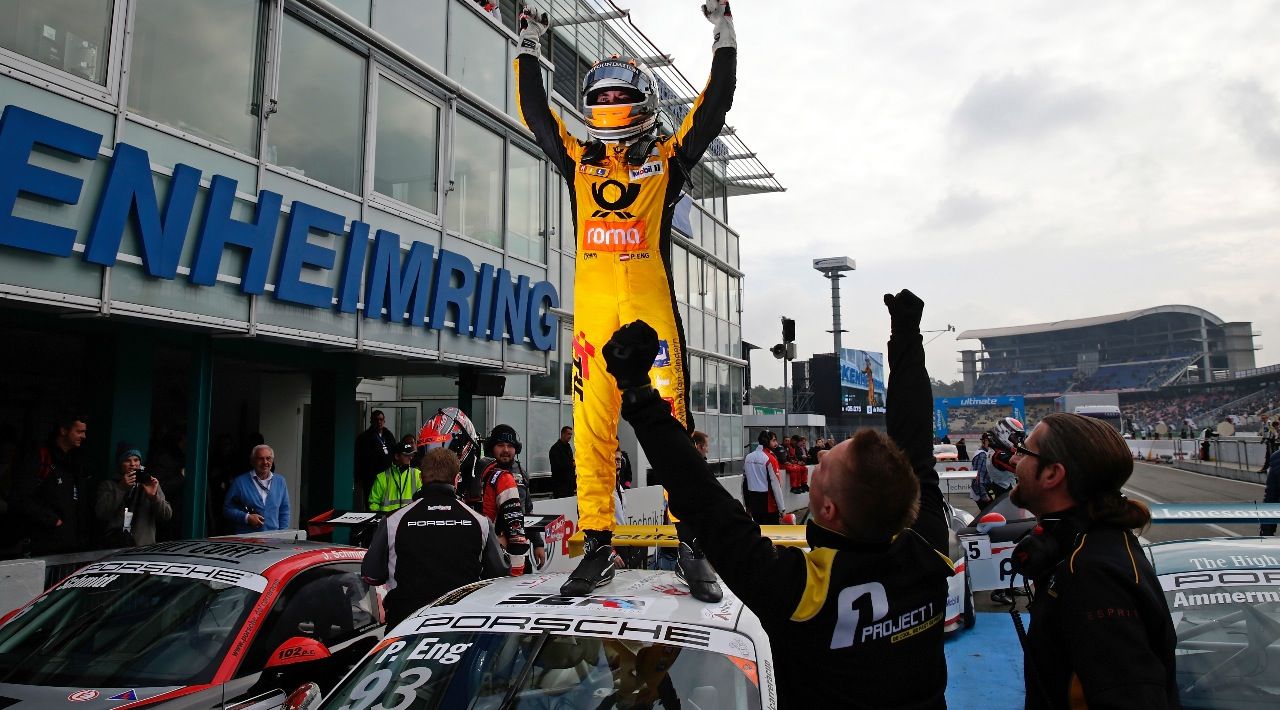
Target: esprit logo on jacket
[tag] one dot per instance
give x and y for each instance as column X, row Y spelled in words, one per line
column 606, row 236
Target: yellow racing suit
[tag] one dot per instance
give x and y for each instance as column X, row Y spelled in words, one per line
column 622, row 212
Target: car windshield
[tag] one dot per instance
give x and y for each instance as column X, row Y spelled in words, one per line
column 1228, row 628
column 487, row 671
column 124, row 630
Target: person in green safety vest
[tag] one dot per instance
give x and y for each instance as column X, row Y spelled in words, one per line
column 395, row 487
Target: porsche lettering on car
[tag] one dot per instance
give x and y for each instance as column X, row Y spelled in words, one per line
column 506, row 643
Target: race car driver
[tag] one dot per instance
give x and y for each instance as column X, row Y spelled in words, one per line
column 624, row 184
column 861, row 612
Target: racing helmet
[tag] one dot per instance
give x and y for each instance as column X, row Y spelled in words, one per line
column 451, row 428
column 619, row 121
column 503, row 433
column 1004, row 436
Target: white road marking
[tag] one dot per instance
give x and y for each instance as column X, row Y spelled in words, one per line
column 1149, row 499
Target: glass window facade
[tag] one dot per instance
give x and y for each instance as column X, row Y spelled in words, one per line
column 478, row 55
column 526, row 186
column 416, row 25
column 474, row 208
column 318, row 129
column 68, row 35
column 406, row 163
column 196, row 66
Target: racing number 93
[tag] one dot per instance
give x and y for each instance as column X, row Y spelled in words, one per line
column 371, row 687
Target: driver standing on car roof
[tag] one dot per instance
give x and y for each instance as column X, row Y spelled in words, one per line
column 1100, row 631
column 860, row 614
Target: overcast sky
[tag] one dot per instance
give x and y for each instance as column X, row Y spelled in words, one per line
column 1011, row 162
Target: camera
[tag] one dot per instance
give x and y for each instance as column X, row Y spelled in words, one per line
column 142, row 477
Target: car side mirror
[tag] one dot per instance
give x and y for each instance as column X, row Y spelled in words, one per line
column 304, row 697
column 298, row 649
column 989, row 522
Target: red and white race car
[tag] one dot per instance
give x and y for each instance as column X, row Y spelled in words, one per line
column 232, row 622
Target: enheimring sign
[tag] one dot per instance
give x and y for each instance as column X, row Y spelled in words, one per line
column 488, row 303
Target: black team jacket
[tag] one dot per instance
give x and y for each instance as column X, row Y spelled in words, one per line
column 1100, row 634
column 852, row 624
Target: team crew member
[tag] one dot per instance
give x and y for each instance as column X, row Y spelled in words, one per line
column 761, row 487
column 504, row 502
column 859, row 615
column 394, row 488
column 1100, row 634
column 624, row 184
column 432, row 545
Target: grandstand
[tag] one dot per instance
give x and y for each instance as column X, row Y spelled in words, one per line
column 1168, row 363
column 1134, row 351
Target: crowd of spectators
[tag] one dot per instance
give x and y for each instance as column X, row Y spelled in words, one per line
column 1148, row 412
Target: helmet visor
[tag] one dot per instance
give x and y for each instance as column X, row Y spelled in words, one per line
column 616, row 74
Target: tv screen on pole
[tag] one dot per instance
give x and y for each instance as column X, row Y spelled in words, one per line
column 862, row 381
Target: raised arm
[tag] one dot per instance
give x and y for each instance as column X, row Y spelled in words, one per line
column 909, row 411
column 770, row 580
column 705, row 119
column 531, row 95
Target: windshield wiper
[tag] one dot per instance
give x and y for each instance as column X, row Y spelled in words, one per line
column 89, row 617
column 525, row 670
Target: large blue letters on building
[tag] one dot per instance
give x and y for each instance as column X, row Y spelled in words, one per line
column 486, row 304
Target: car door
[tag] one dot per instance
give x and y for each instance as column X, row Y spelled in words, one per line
column 330, row 604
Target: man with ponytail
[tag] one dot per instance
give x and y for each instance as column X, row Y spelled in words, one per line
column 1100, row 631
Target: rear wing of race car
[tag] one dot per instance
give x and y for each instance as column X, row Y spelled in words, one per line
column 1184, row 513
column 665, row 536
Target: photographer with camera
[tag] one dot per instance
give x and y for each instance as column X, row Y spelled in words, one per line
column 129, row 507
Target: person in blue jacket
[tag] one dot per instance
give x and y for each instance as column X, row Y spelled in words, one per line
column 258, row 500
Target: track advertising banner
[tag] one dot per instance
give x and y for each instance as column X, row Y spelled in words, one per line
column 942, row 407
column 861, row 381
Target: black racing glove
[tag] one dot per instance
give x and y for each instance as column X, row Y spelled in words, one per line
column 630, row 353
column 905, row 310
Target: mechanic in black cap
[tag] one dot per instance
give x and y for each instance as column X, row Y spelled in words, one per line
column 1100, row 631
column 506, row 497
column 855, row 621
column 432, row 545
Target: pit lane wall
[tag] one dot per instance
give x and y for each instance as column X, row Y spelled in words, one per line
column 1237, row 458
column 639, row 506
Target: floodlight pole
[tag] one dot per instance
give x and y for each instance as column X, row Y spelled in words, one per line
column 832, row 268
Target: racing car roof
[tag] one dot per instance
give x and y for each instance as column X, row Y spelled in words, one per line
column 642, row 594
column 1214, row 554
column 249, row 554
